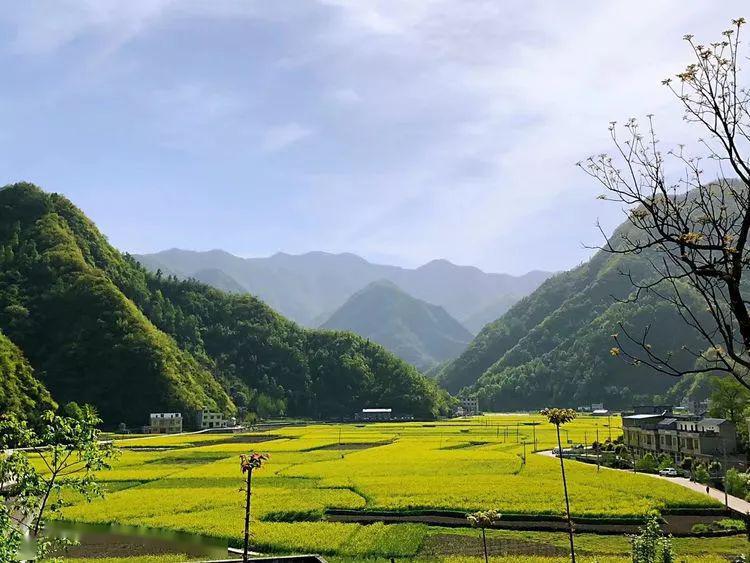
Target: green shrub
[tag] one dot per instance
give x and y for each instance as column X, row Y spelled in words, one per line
column 647, row 464
column 736, row 483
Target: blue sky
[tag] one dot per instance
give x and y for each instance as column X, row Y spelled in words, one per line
column 399, row 130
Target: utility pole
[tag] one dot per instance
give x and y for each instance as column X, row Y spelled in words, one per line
column 524, row 452
column 534, row 430
column 516, row 432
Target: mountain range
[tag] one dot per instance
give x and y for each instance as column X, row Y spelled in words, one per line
column 80, row 321
column 424, row 335
column 309, row 288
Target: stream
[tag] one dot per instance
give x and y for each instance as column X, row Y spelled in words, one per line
column 115, row 540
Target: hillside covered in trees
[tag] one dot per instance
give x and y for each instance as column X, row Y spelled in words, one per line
column 20, row 391
column 554, row 346
column 423, row 334
column 97, row 328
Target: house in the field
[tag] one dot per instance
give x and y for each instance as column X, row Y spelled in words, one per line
column 165, row 423
column 208, row 419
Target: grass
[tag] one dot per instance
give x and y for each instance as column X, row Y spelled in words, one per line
column 191, row 483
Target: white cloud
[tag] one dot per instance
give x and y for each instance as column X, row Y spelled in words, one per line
column 522, row 92
column 283, row 136
column 442, row 128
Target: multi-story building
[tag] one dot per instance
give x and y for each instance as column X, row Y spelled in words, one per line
column 207, row 419
column 469, row 405
column 165, row 423
column 678, row 435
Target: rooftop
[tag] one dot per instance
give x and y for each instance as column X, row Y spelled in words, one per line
column 377, row 410
column 642, row 416
column 717, row 421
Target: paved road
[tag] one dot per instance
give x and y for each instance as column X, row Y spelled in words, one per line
column 735, row 503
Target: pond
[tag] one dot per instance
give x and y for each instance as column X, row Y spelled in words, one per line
column 114, row 540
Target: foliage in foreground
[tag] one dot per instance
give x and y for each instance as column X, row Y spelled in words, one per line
column 62, row 455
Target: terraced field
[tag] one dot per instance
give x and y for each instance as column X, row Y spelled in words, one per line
column 191, row 483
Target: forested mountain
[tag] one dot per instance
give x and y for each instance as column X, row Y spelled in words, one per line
column 422, row 334
column 553, row 347
column 98, row 328
column 20, row 392
column 308, row 288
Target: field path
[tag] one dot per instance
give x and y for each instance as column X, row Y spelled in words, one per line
column 735, row 503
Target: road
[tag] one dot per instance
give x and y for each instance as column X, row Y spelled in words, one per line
column 735, row 503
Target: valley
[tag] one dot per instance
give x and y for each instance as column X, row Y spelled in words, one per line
column 190, row 484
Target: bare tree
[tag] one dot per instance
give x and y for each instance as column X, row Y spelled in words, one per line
column 558, row 417
column 691, row 226
column 247, row 464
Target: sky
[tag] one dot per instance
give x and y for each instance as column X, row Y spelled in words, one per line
column 400, row 130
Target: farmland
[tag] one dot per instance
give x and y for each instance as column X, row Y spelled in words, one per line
column 190, row 483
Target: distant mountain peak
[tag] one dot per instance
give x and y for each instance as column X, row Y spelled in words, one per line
column 309, row 287
column 423, row 334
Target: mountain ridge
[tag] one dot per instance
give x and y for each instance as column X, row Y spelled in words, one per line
column 311, row 286
column 553, row 346
column 423, row 334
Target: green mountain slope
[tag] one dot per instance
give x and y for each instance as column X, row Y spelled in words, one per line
column 553, row 346
column 20, row 392
column 98, row 328
column 61, row 302
column 420, row 333
column 308, row 288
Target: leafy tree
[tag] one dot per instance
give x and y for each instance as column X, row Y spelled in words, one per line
column 730, row 399
column 693, row 229
column 665, row 461
column 701, row 474
column 736, row 483
column 650, row 545
column 61, row 454
column 558, row 417
column 647, row 463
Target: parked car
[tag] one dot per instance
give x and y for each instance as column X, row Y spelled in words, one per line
column 669, row 472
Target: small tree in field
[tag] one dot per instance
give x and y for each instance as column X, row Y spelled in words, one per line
column 62, row 454
column 484, row 520
column 248, row 463
column 691, row 225
column 558, row 417
column 650, row 546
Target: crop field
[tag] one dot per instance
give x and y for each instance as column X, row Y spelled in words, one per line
column 191, row 483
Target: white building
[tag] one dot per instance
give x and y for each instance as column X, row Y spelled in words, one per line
column 208, row 419
column 374, row 414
